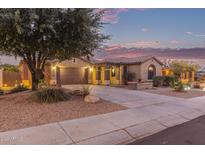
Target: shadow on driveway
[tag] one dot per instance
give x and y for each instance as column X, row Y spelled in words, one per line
column 192, row 132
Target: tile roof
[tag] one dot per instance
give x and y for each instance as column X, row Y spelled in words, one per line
column 122, row 60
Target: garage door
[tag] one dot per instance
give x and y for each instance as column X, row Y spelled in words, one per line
column 73, row 76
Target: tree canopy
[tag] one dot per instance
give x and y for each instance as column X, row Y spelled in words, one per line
column 38, row 35
column 179, row 67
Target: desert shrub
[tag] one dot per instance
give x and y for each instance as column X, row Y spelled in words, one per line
column 51, row 95
column 19, row 88
column 42, row 84
column 169, row 80
column 86, row 90
column 158, row 81
column 181, row 87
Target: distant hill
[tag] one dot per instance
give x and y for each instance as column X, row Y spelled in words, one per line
column 196, row 53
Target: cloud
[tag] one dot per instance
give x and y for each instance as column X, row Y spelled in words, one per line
column 137, row 44
column 112, row 15
column 174, row 42
column 200, row 35
column 189, row 33
column 113, row 47
column 144, row 29
column 143, row 44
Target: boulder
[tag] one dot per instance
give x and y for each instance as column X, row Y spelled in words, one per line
column 91, row 99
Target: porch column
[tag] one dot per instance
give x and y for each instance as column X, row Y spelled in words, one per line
column 121, row 70
column 192, row 76
column 53, row 80
column 90, row 75
column 107, row 74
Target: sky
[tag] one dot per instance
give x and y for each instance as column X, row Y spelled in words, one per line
column 157, row 28
column 150, row 28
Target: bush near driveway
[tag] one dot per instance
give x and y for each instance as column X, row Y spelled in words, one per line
column 169, row 80
column 86, row 90
column 51, row 95
column 160, row 81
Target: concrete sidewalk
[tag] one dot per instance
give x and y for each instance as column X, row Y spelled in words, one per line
column 147, row 114
column 113, row 128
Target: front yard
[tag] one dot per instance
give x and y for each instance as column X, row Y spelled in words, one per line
column 19, row 111
column 170, row 92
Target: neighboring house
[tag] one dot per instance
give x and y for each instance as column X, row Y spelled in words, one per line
column 9, row 78
column 185, row 77
column 102, row 72
column 201, row 73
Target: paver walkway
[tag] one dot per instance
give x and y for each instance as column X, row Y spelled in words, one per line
column 147, row 114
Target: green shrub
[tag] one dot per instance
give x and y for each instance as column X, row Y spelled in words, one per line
column 158, row 81
column 10, row 68
column 51, row 95
column 169, row 80
column 180, row 87
column 42, row 84
column 86, row 90
column 19, row 88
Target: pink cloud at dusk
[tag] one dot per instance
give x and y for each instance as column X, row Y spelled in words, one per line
column 174, row 41
column 111, row 15
column 142, row 44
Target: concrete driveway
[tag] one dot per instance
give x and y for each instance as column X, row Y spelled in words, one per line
column 147, row 114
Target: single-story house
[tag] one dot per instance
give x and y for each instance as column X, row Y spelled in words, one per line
column 103, row 72
column 9, row 78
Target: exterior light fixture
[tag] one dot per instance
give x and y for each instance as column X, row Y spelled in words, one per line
column 53, row 67
column 113, row 71
column 91, row 69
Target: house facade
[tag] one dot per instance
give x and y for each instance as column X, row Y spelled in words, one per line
column 100, row 72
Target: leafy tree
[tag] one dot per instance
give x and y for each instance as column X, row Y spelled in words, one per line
column 8, row 67
column 179, row 67
column 39, row 35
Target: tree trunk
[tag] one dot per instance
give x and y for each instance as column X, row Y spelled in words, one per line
column 34, row 81
column 36, row 76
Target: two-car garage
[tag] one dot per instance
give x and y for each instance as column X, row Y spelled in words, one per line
column 73, row 75
column 72, row 72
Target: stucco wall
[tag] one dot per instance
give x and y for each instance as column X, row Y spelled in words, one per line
column 134, row 69
column 144, row 69
column 1, row 77
column 71, row 63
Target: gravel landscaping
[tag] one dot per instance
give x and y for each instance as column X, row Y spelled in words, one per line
column 19, row 111
column 170, row 92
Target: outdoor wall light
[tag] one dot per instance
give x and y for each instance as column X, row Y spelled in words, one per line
column 113, row 71
column 91, row 69
column 53, row 67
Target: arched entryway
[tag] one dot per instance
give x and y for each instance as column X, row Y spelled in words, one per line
column 151, row 72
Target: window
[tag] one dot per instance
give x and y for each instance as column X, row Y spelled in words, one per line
column 151, row 72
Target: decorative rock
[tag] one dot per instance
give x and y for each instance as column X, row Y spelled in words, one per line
column 91, row 99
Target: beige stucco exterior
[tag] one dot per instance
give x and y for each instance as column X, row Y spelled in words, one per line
column 107, row 73
column 144, row 68
column 141, row 70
